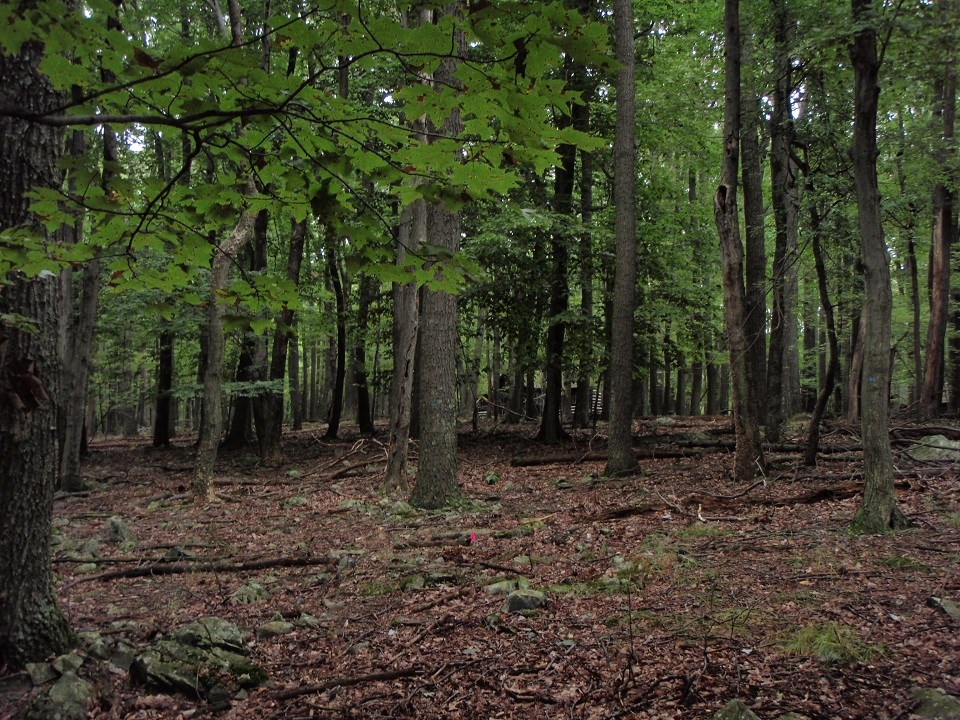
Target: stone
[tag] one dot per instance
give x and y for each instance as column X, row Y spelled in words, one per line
column 197, row 659
column 947, row 607
column 505, row 587
column 274, row 628
column 40, row 673
column 177, row 553
column 71, row 662
column 249, row 594
column 793, row 716
column 520, row 600
column 735, row 710
column 936, row 448
column 294, row 501
column 67, row 699
column 308, row 620
column 664, row 421
column 935, row 704
column 118, row 533
column 85, row 568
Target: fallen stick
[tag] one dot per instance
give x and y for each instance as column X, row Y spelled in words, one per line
column 180, row 568
column 656, row 454
column 347, row 681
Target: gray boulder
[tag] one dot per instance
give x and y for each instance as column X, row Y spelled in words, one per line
column 67, row 699
column 935, row 704
column 520, row 600
column 205, row 660
column 935, row 448
column 118, row 533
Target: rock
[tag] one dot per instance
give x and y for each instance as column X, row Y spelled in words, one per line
column 177, row 553
column 563, row 485
column 67, row 699
column 414, row 582
column 70, row 662
column 197, row 659
column 85, row 568
column 664, row 421
column 793, row 716
column 308, row 620
column 118, row 533
column 40, row 673
column 274, row 628
column 935, row 704
column 936, row 448
column 735, row 710
column 294, row 501
column 947, row 607
column 505, row 587
column 520, row 600
column 249, row 594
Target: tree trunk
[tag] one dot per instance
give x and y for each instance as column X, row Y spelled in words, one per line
column 293, row 373
column 878, row 511
column 755, row 250
column 436, row 483
column 284, row 333
column 406, row 318
column 364, row 418
column 783, row 370
column 336, row 403
column 620, row 456
column 941, row 234
column 32, row 626
column 212, row 417
column 162, row 421
column 833, row 367
column 749, row 458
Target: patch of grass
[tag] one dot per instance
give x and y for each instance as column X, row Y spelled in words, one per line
column 701, row 530
column 904, row 562
column 952, row 518
column 831, row 642
column 377, row 587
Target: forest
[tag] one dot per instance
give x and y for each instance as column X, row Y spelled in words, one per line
column 482, row 358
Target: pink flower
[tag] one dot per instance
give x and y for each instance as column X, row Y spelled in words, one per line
column 473, row 538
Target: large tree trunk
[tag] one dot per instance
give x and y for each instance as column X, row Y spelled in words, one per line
column 941, row 233
column 436, row 483
column 749, row 458
column 620, row 456
column 878, row 511
column 163, row 419
column 755, row 246
column 32, row 626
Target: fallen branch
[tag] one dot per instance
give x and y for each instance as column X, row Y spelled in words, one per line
column 180, row 568
column 348, row 681
column 656, row 454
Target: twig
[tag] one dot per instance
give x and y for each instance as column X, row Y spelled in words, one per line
column 179, row 568
column 347, row 681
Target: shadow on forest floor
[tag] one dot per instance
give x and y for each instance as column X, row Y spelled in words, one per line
column 667, row 593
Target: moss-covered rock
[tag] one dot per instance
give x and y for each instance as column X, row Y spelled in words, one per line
column 205, row 659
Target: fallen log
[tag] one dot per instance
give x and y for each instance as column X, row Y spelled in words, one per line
column 180, row 568
column 657, row 454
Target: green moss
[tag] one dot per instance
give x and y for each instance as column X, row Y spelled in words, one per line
column 903, row 562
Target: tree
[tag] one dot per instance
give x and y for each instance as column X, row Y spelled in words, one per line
column 32, row 627
column 749, row 452
column 878, row 511
column 437, row 470
column 621, row 459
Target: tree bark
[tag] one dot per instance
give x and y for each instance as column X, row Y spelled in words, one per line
column 365, row 298
column 941, row 232
column 620, row 456
column 336, row 280
column 32, row 626
column 436, row 483
column 749, row 458
column 878, row 511
column 212, row 415
column 406, row 319
column 282, row 336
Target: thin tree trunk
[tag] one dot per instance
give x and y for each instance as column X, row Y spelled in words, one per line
column 336, row 280
column 365, row 298
column 406, row 317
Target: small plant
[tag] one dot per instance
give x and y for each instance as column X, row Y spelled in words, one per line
column 701, row 530
column 903, row 562
column 952, row 518
column 831, row 642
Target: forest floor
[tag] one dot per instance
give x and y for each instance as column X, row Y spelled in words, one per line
column 668, row 593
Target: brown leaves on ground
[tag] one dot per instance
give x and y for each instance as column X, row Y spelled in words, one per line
column 670, row 592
